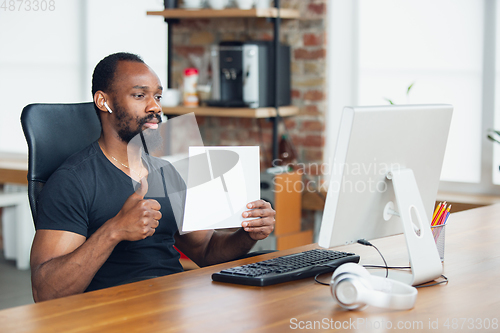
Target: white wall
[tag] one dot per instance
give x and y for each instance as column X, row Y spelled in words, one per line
column 48, row 56
column 122, row 25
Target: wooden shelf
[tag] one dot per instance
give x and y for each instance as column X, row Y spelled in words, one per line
column 225, row 13
column 171, row 15
column 285, row 111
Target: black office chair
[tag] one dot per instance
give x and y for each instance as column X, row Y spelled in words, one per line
column 53, row 133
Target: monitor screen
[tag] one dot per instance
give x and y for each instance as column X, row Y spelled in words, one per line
column 372, row 141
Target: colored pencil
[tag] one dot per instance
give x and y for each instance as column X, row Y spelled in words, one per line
column 446, row 215
column 442, row 223
column 440, row 212
column 441, row 206
column 436, row 210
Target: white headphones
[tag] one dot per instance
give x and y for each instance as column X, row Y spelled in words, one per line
column 107, row 107
column 353, row 287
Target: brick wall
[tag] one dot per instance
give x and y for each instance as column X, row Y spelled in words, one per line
column 307, row 38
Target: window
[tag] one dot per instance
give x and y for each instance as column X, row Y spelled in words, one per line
column 442, row 49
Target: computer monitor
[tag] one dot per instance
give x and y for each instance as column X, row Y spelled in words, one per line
column 384, row 180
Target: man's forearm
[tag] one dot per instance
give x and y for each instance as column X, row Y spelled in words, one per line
column 226, row 246
column 72, row 273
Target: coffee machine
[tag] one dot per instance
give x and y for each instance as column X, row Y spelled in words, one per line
column 243, row 74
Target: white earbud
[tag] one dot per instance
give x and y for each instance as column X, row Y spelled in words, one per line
column 107, row 107
column 353, row 287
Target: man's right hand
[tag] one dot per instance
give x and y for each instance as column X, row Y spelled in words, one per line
column 138, row 217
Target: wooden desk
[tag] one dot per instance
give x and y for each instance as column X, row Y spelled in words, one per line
column 191, row 302
column 13, row 168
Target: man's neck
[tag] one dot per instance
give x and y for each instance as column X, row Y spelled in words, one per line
column 116, row 150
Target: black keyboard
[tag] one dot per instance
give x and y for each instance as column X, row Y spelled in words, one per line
column 286, row 268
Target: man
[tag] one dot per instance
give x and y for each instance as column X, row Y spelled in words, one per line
column 94, row 229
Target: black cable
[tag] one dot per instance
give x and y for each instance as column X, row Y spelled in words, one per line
column 316, row 276
column 385, row 263
column 367, row 243
column 434, row 284
column 408, row 267
column 389, row 267
column 445, row 281
column 318, row 281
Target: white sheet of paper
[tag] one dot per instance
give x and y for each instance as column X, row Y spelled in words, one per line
column 219, row 201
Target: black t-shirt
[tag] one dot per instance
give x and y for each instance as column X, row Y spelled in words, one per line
column 87, row 190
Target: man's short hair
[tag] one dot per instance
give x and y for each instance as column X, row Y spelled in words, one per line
column 104, row 73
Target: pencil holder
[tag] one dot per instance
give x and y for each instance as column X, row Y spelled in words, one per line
column 438, row 232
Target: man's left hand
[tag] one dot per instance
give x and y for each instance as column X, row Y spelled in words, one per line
column 263, row 225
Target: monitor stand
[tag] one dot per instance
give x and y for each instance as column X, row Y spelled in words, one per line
column 422, row 251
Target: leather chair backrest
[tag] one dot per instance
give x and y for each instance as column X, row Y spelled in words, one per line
column 53, row 133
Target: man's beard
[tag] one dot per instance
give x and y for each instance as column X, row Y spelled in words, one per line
column 127, row 134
